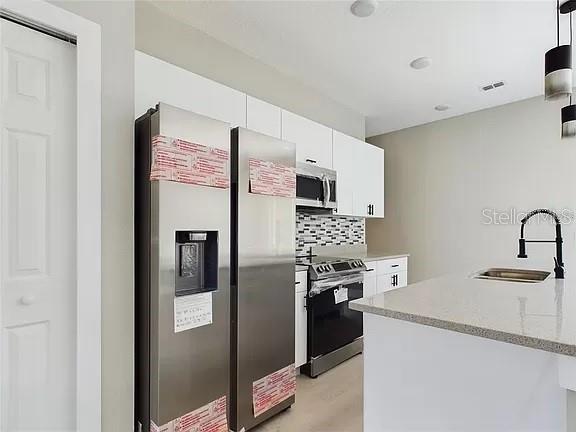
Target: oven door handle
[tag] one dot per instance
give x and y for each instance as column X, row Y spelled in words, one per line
column 332, row 283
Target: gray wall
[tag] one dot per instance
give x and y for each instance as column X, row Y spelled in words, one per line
column 161, row 36
column 440, row 177
column 117, row 21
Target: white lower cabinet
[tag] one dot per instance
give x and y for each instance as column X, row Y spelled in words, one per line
column 300, row 320
column 370, row 279
column 385, row 275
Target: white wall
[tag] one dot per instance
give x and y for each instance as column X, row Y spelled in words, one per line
column 117, row 21
column 439, row 177
column 161, row 36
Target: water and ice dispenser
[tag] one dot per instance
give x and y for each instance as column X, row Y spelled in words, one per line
column 196, row 262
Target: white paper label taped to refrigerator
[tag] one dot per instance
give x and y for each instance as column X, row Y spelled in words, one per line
column 192, row 311
column 340, row 295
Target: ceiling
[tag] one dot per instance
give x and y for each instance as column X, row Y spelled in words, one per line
column 363, row 63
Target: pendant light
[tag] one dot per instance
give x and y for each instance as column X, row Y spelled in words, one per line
column 558, row 62
column 569, row 112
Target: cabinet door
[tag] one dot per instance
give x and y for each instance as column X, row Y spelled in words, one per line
column 392, row 281
column 344, row 149
column 301, row 328
column 383, row 283
column 313, row 140
column 369, row 197
column 156, row 80
column 402, row 279
column 263, row 117
column 375, row 180
column 370, row 285
column 362, row 168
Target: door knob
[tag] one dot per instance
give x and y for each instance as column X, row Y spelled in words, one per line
column 27, row 300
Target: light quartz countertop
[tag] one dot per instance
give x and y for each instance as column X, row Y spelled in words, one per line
column 535, row 315
column 357, row 252
column 368, row 256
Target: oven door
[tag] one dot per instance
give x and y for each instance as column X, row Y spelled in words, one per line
column 331, row 323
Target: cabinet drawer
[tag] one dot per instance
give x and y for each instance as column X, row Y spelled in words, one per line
column 392, row 265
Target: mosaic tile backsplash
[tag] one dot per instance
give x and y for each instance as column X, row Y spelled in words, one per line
column 322, row 230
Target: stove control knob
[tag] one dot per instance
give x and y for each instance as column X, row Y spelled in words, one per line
column 327, row 268
column 319, row 269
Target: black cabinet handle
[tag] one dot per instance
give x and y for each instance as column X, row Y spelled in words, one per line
column 297, row 283
column 369, row 270
column 311, row 161
column 395, row 265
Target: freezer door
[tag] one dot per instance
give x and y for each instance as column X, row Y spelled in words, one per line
column 189, row 368
column 263, row 284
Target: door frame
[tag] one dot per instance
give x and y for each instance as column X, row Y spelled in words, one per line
column 88, row 198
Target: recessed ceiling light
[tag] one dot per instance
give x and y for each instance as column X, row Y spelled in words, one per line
column 421, row 63
column 442, row 107
column 363, row 8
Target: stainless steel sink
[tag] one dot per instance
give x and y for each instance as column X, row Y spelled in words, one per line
column 512, row 275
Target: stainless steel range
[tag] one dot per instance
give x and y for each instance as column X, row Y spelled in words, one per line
column 334, row 330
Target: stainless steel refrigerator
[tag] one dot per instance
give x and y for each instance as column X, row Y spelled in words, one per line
column 182, row 245
column 262, row 279
column 234, row 244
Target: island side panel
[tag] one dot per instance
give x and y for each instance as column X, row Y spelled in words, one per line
column 420, row 378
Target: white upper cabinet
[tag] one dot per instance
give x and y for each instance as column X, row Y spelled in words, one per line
column 263, row 117
column 344, row 163
column 360, row 182
column 371, row 201
column 313, row 140
column 158, row 81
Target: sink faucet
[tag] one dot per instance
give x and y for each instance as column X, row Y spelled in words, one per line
column 558, row 264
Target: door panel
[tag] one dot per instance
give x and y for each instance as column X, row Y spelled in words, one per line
column 344, row 158
column 263, row 117
column 370, row 285
column 332, row 325
column 313, row 140
column 300, row 353
column 38, row 226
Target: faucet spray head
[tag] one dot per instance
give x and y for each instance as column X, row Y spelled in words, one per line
column 522, row 248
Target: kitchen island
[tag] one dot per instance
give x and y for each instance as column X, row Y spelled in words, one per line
column 462, row 354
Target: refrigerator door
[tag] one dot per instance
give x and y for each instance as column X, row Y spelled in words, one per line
column 183, row 248
column 262, row 296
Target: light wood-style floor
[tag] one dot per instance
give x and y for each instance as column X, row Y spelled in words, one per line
column 330, row 403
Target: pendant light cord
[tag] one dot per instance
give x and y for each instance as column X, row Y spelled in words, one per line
column 570, row 28
column 557, row 22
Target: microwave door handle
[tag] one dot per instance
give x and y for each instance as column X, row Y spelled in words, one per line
column 328, row 190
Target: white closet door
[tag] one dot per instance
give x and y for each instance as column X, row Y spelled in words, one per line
column 38, row 231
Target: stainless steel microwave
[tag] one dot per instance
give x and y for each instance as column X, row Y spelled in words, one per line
column 315, row 187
